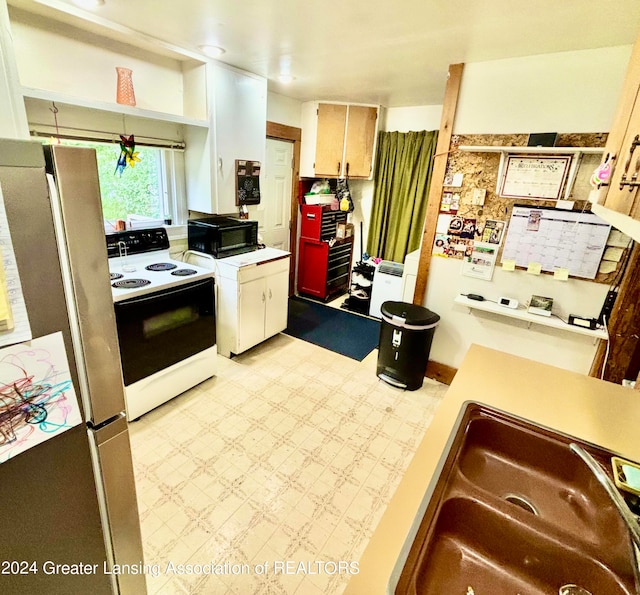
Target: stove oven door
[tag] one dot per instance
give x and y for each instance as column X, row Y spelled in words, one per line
column 163, row 328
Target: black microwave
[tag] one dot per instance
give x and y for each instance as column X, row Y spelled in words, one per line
column 222, row 236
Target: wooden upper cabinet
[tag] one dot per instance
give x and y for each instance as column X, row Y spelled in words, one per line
column 361, row 134
column 623, row 143
column 338, row 140
column 332, row 119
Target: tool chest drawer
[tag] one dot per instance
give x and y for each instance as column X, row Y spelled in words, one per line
column 319, row 222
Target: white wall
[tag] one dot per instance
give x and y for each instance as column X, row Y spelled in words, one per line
column 415, row 118
column 283, row 110
column 13, row 118
column 82, row 68
column 459, row 327
column 567, row 92
column 564, row 92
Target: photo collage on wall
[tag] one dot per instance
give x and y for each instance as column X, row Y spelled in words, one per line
column 460, row 235
column 465, row 238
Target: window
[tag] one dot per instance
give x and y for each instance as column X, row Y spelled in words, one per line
column 155, row 188
column 142, row 190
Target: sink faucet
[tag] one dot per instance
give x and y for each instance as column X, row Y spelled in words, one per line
column 616, row 498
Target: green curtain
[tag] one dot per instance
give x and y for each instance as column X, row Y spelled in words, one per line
column 404, row 163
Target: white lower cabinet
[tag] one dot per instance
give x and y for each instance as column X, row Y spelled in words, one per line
column 252, row 304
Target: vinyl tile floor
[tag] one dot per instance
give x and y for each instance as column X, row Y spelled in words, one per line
column 271, row 477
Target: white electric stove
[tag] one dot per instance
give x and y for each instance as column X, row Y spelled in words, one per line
column 165, row 316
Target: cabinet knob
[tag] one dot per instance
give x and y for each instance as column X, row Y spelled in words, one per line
column 270, row 294
column 264, row 299
column 339, row 163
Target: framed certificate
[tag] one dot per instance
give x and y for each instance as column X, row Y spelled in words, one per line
column 535, row 177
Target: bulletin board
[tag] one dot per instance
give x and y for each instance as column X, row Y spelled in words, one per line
column 556, row 239
column 480, row 171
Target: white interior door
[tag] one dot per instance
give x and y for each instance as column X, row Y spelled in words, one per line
column 274, row 211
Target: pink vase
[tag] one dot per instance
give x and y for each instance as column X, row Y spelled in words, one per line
column 125, row 94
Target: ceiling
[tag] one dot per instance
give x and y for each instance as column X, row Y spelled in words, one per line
column 393, row 53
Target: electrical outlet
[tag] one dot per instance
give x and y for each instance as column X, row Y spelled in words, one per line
column 478, row 196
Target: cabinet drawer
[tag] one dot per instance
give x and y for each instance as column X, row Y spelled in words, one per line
column 319, row 222
column 271, row 267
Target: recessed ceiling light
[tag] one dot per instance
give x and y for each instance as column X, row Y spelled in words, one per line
column 89, row 3
column 286, row 78
column 213, row 51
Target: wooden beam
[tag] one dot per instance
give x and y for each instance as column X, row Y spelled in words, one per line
column 294, row 135
column 283, row 132
column 624, row 327
column 437, row 179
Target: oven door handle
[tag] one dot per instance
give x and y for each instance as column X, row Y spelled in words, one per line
column 165, row 293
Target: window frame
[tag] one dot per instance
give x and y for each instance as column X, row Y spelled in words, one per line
column 49, row 120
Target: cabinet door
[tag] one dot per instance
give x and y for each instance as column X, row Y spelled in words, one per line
column 237, row 104
column 252, row 303
column 623, row 131
column 332, row 119
column 627, row 169
column 240, row 104
column 277, row 290
column 361, row 131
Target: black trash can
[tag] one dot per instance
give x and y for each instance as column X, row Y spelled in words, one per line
column 406, row 334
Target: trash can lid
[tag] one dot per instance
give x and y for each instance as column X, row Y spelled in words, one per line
column 410, row 315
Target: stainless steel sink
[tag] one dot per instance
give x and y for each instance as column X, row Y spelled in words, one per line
column 514, row 511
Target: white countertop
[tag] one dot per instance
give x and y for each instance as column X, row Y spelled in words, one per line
column 247, row 259
column 254, row 258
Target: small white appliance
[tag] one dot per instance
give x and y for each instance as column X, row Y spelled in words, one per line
column 410, row 275
column 387, row 286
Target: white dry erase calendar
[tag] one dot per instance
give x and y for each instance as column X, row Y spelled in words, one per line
column 556, row 239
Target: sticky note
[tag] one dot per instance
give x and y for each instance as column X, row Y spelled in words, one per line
column 618, row 239
column 535, row 268
column 614, row 254
column 607, row 266
column 508, row 265
column 561, row 274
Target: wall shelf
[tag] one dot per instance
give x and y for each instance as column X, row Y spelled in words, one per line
column 107, row 106
column 532, row 150
column 522, row 314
